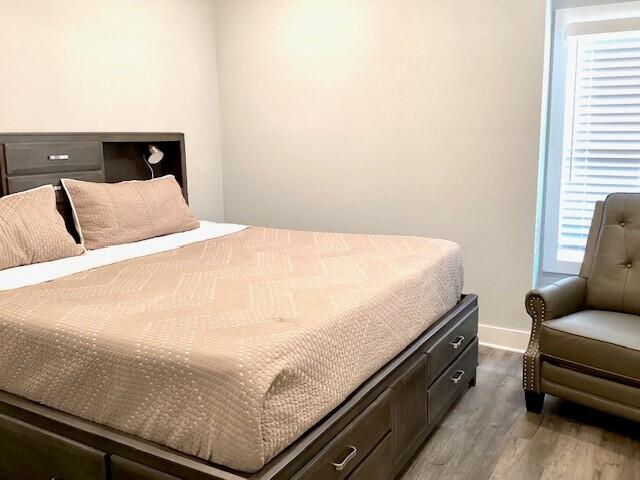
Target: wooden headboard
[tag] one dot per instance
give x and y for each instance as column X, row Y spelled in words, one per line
column 29, row 160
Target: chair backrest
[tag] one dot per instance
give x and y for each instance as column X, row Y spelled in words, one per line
column 594, row 233
column 612, row 260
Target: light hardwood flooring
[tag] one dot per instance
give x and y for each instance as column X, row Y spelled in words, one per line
column 490, row 435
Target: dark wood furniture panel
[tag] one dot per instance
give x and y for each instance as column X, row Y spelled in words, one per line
column 410, row 407
column 354, row 443
column 453, row 382
column 124, row 469
column 31, row 453
column 27, row 158
column 449, row 346
column 377, row 466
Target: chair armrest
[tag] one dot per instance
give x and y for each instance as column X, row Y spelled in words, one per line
column 553, row 301
column 557, row 300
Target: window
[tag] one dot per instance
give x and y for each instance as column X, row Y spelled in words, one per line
column 594, row 123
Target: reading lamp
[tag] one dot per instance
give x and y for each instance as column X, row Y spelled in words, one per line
column 155, row 156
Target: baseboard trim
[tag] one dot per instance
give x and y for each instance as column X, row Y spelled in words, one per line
column 503, row 338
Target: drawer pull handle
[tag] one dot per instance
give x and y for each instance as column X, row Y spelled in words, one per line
column 352, row 453
column 457, row 377
column 457, row 342
column 59, row 157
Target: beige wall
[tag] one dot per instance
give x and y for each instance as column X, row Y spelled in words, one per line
column 409, row 116
column 117, row 65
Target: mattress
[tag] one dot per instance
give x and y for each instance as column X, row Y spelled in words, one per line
column 227, row 349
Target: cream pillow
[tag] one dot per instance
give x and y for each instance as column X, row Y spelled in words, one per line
column 114, row 213
column 32, row 230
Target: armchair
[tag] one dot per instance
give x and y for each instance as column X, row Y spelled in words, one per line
column 585, row 337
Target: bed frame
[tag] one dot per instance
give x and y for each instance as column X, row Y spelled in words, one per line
column 372, row 435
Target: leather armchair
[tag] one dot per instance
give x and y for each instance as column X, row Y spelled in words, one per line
column 585, row 337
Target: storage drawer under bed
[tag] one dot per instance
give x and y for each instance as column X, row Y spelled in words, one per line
column 451, row 344
column 453, row 382
column 31, row 453
column 377, row 465
column 124, row 469
column 343, row 454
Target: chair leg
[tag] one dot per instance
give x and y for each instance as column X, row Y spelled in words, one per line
column 535, row 401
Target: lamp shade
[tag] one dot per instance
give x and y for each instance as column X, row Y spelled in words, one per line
column 155, row 155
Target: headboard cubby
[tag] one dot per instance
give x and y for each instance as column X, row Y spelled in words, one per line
column 29, row 160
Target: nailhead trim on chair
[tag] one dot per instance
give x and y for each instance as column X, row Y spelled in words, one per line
column 531, row 377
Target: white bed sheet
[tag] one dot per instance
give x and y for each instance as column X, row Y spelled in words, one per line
column 27, row 275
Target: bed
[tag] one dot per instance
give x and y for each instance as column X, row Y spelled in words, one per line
column 228, row 351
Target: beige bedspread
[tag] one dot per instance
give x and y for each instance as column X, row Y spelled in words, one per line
column 227, row 349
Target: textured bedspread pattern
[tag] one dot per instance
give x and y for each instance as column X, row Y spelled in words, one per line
column 227, row 349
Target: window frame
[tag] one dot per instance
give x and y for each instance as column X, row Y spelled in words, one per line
column 561, row 17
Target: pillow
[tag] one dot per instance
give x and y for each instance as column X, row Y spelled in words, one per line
column 32, row 230
column 114, row 213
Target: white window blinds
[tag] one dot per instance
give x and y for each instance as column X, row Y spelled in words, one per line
column 601, row 142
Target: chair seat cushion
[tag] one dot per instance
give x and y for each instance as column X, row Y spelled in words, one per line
column 607, row 342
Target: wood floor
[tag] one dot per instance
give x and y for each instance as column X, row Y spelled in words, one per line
column 489, row 435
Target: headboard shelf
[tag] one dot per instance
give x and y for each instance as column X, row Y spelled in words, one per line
column 123, row 160
column 28, row 160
